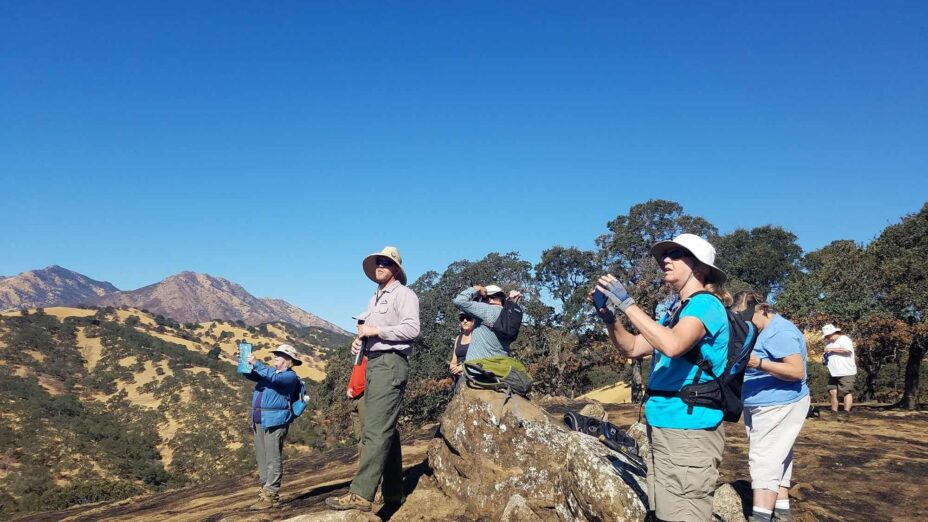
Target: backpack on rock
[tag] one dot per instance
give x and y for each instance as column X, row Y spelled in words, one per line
column 498, row 373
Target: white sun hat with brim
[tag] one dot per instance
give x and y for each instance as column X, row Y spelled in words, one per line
column 493, row 290
column 370, row 263
column 829, row 329
column 290, row 352
column 701, row 249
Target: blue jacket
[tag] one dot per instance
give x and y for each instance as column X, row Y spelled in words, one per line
column 277, row 390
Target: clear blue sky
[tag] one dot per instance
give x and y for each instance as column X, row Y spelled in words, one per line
column 277, row 143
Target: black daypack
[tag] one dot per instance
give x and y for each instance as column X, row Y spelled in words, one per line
column 507, row 325
column 723, row 392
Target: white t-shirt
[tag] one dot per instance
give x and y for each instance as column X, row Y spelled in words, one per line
column 841, row 364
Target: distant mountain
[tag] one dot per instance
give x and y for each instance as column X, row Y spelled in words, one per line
column 189, row 297
column 52, row 286
column 186, row 297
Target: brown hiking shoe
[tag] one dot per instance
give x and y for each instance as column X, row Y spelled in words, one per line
column 348, row 501
column 266, row 500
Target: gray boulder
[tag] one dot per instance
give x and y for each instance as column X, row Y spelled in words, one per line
column 491, row 450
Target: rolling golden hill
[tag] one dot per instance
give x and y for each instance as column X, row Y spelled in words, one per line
column 106, row 403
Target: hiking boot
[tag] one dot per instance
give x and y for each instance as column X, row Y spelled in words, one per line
column 348, row 501
column 844, row 416
column 266, row 500
column 782, row 515
column 832, row 415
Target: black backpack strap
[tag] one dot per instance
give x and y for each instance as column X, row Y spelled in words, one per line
column 693, row 356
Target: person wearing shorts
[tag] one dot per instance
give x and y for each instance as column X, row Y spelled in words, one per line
column 842, row 370
column 776, row 400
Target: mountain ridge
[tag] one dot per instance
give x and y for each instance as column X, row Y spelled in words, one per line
column 50, row 286
column 186, row 296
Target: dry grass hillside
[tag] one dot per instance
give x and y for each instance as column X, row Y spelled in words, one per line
column 104, row 403
column 204, row 337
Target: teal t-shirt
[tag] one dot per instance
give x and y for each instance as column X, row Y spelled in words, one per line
column 673, row 374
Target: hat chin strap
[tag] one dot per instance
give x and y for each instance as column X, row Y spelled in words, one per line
column 692, row 273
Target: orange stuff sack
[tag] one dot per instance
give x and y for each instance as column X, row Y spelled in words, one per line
column 356, row 381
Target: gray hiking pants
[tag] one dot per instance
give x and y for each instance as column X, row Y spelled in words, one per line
column 269, row 446
column 381, row 455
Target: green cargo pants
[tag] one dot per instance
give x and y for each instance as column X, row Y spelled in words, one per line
column 381, row 455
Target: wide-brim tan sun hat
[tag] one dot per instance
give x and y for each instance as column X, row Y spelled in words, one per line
column 829, row 329
column 701, row 249
column 290, row 352
column 370, row 266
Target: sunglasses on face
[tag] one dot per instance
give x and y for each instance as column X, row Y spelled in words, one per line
column 466, row 318
column 676, row 254
column 384, row 262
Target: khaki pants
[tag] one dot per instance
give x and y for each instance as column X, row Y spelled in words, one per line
column 683, row 471
column 381, row 455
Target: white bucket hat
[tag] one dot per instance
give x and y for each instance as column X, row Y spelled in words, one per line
column 493, row 290
column 829, row 329
column 370, row 266
column 701, row 249
column 290, row 352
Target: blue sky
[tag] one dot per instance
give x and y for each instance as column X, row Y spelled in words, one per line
column 277, row 143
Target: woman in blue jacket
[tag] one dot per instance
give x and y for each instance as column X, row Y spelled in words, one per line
column 276, row 386
column 686, row 441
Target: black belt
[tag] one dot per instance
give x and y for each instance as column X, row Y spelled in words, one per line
column 377, row 353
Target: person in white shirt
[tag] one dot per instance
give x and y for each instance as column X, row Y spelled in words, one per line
column 842, row 369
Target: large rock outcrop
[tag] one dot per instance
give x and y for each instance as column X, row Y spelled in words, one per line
column 508, row 459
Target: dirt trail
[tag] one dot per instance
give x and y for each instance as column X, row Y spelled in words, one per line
column 873, row 468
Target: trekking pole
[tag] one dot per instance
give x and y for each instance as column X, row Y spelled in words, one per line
column 360, row 356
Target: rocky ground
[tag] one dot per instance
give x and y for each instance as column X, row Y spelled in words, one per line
column 873, row 468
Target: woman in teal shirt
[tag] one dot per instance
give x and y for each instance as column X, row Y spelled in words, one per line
column 686, row 441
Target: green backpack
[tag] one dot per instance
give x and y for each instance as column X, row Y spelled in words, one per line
column 498, row 373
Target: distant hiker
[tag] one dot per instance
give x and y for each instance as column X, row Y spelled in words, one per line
column 391, row 323
column 776, row 403
column 460, row 347
column 485, row 304
column 842, row 369
column 271, row 416
column 686, row 441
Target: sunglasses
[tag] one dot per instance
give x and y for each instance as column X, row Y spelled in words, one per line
column 466, row 318
column 676, row 254
column 384, row 262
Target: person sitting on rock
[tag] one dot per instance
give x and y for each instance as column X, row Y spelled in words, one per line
column 459, row 349
column 686, row 441
column 485, row 304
